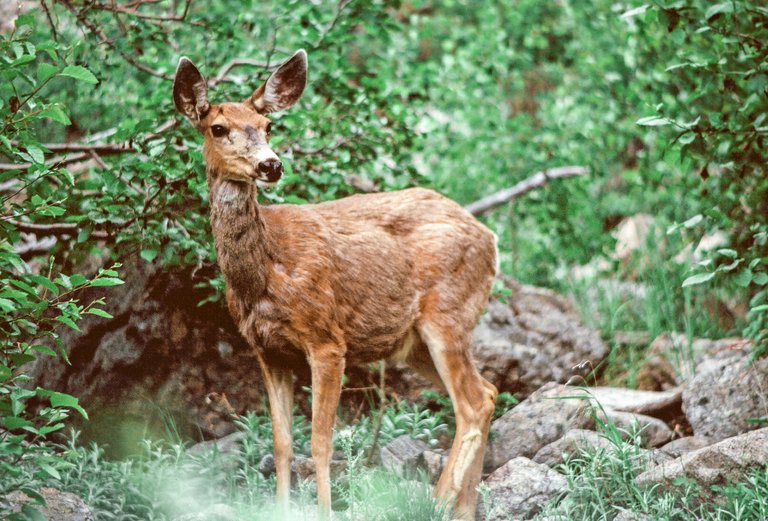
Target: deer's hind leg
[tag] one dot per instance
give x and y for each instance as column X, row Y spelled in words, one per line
column 473, row 400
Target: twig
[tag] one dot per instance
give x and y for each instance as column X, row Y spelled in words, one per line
column 535, row 181
column 238, row 62
column 104, row 39
column 137, row 14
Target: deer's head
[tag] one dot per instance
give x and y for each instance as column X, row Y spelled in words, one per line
column 236, row 135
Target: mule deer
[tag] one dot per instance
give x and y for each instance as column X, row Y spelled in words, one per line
column 401, row 275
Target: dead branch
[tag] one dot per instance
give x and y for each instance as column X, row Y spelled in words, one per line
column 86, row 151
column 535, row 181
column 34, row 247
column 56, row 229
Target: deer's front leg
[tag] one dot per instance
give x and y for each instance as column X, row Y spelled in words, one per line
column 327, row 366
column 279, row 384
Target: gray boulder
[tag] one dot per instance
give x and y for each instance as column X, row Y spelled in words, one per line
column 573, row 443
column 650, row 431
column 60, row 506
column 680, row 446
column 537, row 421
column 518, row 490
column 663, row 404
column 536, row 338
column 729, row 460
column 727, row 391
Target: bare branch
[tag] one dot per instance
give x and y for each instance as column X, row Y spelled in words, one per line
column 86, row 151
column 31, row 248
column 55, row 229
column 535, row 181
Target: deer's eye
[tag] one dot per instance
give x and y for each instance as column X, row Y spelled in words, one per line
column 219, row 131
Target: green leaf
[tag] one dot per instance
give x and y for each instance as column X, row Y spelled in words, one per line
column 99, row 313
column 699, row 278
column 32, row 513
column 743, row 278
column 43, row 349
column 7, row 306
column 652, row 121
column 68, row 322
column 148, row 255
column 761, row 279
column 46, row 283
column 727, row 252
column 14, row 422
column 55, row 113
column 63, row 400
column 722, row 8
column 45, row 467
column 693, row 221
column 635, row 11
column 107, row 281
column 45, row 71
column 80, row 73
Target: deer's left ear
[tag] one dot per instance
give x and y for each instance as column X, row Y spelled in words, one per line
column 284, row 87
column 190, row 92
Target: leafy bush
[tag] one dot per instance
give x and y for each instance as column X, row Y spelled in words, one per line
column 37, row 298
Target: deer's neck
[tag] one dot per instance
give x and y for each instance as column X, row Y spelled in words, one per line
column 241, row 238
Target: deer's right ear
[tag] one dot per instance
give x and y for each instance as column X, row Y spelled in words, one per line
column 190, row 92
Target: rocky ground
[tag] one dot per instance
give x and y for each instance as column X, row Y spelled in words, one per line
column 694, row 420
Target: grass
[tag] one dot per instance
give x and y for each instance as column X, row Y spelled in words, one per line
column 168, row 482
column 601, row 484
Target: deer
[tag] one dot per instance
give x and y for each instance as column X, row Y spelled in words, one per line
column 401, row 275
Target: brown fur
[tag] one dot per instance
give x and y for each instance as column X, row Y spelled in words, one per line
column 394, row 275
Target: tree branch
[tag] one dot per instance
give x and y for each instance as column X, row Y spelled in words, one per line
column 534, row 181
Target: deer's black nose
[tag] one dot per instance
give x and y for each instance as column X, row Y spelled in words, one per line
column 272, row 168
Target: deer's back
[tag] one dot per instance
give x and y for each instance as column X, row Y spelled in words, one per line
column 368, row 266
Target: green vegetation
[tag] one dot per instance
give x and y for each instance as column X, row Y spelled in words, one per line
column 601, row 485
column 664, row 102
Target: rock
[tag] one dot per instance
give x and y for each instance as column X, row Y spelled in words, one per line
column 729, row 460
column 403, row 454
column 631, row 234
column 727, row 391
column 573, row 443
column 680, row 446
column 161, row 352
column 536, row 338
column 304, row 468
column 434, row 463
column 267, row 465
column 651, row 431
column 538, row 420
column 229, row 445
column 518, row 490
column 665, row 404
column 672, row 358
column 60, row 506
